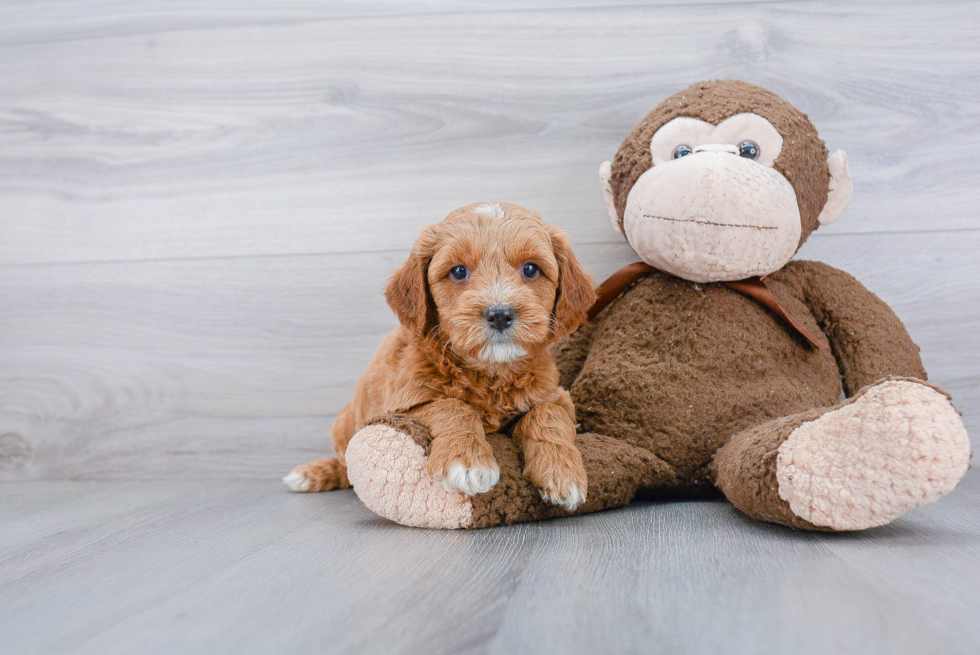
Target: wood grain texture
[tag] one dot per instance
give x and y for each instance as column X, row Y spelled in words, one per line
column 246, row 567
column 199, row 204
column 232, row 367
column 151, row 133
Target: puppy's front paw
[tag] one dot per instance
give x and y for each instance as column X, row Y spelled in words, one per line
column 557, row 471
column 570, row 497
column 472, row 480
column 468, row 468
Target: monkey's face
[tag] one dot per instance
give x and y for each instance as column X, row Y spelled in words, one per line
column 722, row 181
column 712, row 207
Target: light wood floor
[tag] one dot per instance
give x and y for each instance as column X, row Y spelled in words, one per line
column 242, row 567
column 199, row 204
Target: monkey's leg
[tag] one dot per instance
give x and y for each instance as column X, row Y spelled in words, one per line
column 327, row 473
column 893, row 446
column 388, row 458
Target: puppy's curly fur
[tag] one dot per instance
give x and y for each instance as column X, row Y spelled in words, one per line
column 449, row 368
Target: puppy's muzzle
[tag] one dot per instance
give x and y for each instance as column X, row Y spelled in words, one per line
column 500, row 317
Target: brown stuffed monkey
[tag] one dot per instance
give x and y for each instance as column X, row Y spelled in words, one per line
column 699, row 377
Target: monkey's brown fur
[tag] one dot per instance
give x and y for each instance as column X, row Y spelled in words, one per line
column 803, row 160
column 685, row 389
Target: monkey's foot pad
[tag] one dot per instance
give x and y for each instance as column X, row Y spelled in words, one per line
column 387, row 468
column 899, row 445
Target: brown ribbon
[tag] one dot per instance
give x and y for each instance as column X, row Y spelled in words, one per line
column 753, row 287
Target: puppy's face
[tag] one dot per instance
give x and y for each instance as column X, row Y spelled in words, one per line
column 495, row 281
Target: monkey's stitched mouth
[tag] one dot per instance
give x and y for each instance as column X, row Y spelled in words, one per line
column 700, row 222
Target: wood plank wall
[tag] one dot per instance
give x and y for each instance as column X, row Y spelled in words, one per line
column 199, row 206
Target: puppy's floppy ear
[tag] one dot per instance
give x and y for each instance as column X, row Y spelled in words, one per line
column 407, row 291
column 576, row 291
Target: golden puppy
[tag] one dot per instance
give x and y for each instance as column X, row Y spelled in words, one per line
column 481, row 298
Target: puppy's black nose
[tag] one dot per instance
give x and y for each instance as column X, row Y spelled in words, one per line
column 500, row 317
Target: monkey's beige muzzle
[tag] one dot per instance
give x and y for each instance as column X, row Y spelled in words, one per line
column 713, row 216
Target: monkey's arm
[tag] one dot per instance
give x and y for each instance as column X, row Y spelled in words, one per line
column 570, row 354
column 868, row 339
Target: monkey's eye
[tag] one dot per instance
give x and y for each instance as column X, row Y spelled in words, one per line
column 530, row 271
column 749, row 150
column 682, row 151
column 459, row 273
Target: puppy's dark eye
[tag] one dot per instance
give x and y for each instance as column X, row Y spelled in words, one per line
column 530, row 271
column 682, row 151
column 749, row 150
column 459, row 273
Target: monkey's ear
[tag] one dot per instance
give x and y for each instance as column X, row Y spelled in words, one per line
column 407, row 291
column 839, row 193
column 576, row 291
column 605, row 176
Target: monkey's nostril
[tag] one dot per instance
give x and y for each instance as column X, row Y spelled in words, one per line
column 500, row 317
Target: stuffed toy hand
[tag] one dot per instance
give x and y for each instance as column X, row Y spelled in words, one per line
column 718, row 365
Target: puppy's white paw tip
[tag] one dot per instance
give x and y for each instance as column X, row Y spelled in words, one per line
column 571, row 498
column 471, row 481
column 297, row 481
